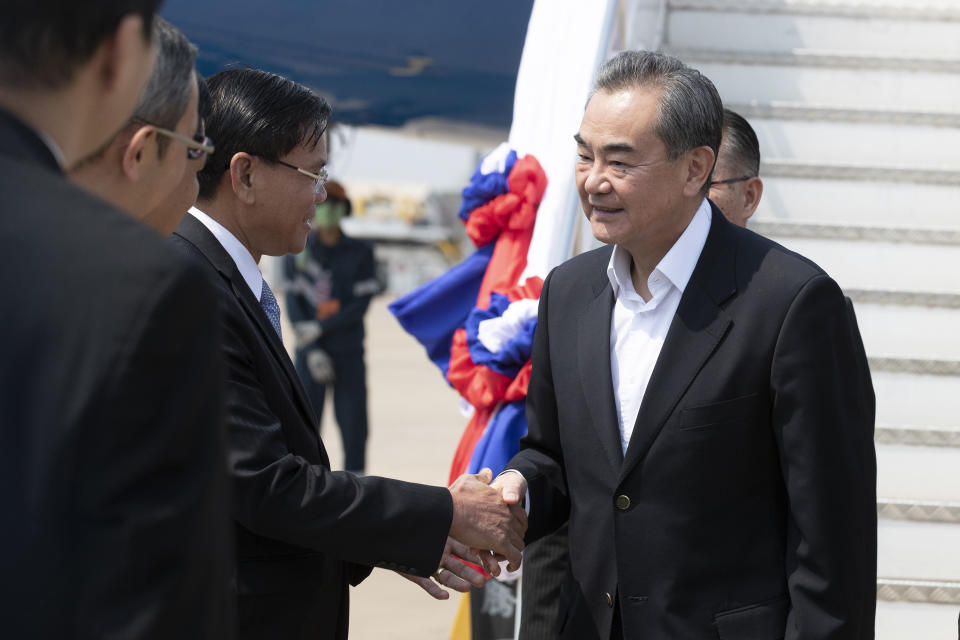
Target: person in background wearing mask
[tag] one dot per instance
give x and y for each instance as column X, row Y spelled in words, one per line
column 331, row 283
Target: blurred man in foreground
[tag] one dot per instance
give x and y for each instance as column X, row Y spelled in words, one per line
column 304, row 532
column 159, row 151
column 111, row 444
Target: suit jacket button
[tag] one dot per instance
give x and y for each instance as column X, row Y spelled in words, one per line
column 623, row 502
column 609, row 599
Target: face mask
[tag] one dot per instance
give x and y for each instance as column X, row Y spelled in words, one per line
column 328, row 214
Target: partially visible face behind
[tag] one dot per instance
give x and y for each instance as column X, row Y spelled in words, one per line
column 285, row 201
column 181, row 195
column 737, row 200
column 630, row 192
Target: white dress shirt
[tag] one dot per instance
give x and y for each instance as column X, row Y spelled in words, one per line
column 241, row 256
column 638, row 328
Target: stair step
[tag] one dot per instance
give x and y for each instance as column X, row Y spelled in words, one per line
column 915, row 365
column 839, row 148
column 741, row 78
column 834, row 201
column 908, row 332
column 918, row 436
column 906, row 590
column 921, row 511
column 784, row 168
column 903, row 298
column 840, row 114
column 914, row 549
column 780, row 33
column 817, row 59
column 855, row 264
column 949, row 237
column 899, row 620
column 910, row 474
column 895, row 9
column 910, row 399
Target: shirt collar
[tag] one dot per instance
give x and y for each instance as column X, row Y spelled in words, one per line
column 676, row 266
column 241, row 256
column 54, row 149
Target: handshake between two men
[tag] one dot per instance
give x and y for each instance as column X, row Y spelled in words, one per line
column 489, row 522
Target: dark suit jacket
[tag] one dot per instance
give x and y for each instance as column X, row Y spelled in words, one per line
column 111, row 446
column 745, row 505
column 302, row 530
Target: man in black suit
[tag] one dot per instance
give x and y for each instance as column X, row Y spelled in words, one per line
column 693, row 407
column 304, row 532
column 111, row 445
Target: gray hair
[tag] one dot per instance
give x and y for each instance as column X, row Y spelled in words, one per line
column 690, row 112
column 741, row 149
column 165, row 98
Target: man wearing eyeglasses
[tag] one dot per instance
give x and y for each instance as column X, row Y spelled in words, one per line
column 304, row 532
column 736, row 186
column 148, row 159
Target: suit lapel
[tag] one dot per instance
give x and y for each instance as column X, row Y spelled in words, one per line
column 695, row 332
column 593, row 349
column 197, row 234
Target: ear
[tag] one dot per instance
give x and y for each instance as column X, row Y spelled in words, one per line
column 242, row 168
column 752, row 192
column 699, row 164
column 139, row 152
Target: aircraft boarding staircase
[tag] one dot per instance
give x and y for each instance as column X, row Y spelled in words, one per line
column 857, row 108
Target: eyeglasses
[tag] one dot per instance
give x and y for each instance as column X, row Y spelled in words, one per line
column 730, row 180
column 197, row 147
column 319, row 178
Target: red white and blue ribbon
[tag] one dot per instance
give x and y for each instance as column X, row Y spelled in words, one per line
column 475, row 321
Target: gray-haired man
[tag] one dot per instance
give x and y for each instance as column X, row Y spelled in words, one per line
column 693, row 409
column 150, row 157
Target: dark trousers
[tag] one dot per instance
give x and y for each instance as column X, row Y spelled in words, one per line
column 349, row 403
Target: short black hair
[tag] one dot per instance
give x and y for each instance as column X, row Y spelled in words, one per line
column 690, row 111
column 740, row 148
column 204, row 106
column 44, row 42
column 259, row 113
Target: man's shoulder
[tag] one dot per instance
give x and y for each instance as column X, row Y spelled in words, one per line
column 59, row 227
column 759, row 255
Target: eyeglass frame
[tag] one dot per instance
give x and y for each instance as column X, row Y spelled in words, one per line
column 319, row 178
column 730, row 180
column 196, row 149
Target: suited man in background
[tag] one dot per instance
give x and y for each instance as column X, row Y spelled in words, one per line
column 159, row 151
column 736, row 187
column 304, row 532
column 111, row 444
column 690, row 406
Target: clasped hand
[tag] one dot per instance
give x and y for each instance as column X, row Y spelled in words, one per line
column 488, row 526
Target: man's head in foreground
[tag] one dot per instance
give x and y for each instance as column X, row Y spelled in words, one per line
column 269, row 169
column 73, row 71
column 646, row 148
column 736, row 187
column 148, row 158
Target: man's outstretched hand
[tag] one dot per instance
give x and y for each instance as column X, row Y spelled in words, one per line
column 453, row 573
column 483, row 520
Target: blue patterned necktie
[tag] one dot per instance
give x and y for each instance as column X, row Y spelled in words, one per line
column 269, row 303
